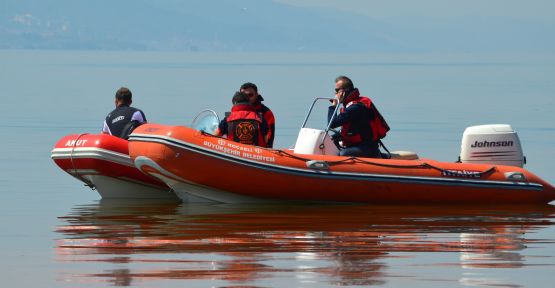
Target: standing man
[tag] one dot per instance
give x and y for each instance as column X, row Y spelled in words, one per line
column 256, row 99
column 243, row 124
column 124, row 119
column 362, row 126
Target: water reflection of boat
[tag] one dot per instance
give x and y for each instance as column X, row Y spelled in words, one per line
column 343, row 245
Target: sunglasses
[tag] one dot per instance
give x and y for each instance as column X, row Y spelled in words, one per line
column 338, row 89
column 250, row 94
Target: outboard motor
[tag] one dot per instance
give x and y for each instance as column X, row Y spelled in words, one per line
column 491, row 144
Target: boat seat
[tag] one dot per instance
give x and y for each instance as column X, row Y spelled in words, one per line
column 404, row 155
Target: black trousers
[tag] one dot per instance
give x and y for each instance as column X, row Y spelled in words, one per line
column 369, row 150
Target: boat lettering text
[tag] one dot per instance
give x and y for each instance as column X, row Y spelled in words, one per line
column 237, row 147
column 259, row 157
column 482, row 144
column 72, row 143
column 221, row 148
column 461, row 173
column 237, row 150
column 231, row 145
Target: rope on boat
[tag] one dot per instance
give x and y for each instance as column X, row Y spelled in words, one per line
column 87, row 182
column 359, row 160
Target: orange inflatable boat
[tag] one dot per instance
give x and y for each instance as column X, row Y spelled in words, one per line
column 102, row 162
column 202, row 167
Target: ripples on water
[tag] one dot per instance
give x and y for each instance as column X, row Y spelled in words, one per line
column 293, row 245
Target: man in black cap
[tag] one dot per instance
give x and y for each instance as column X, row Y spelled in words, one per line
column 244, row 124
column 124, row 118
column 256, row 99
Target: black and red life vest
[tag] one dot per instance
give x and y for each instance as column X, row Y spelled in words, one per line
column 268, row 115
column 243, row 125
column 377, row 123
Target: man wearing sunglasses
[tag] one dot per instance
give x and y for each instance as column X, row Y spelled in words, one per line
column 251, row 90
column 362, row 126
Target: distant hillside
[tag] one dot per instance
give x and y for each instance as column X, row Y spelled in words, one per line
column 247, row 25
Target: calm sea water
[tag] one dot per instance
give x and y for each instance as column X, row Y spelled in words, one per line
column 56, row 233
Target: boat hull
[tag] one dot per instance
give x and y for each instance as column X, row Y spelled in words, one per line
column 215, row 169
column 102, row 162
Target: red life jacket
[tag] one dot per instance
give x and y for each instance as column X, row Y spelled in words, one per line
column 267, row 114
column 243, row 125
column 377, row 123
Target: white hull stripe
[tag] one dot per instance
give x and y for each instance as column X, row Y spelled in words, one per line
column 92, row 152
column 82, row 172
column 92, row 172
column 335, row 175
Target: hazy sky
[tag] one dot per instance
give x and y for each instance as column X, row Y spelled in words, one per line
column 465, row 26
column 538, row 10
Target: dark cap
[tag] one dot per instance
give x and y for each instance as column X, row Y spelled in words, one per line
column 249, row 85
column 240, row 97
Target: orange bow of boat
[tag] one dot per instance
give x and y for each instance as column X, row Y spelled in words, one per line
column 102, row 162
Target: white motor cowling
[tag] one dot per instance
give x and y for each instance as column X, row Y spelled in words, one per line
column 491, row 144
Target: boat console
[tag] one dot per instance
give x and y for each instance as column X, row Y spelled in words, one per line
column 315, row 142
column 319, row 142
column 482, row 144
